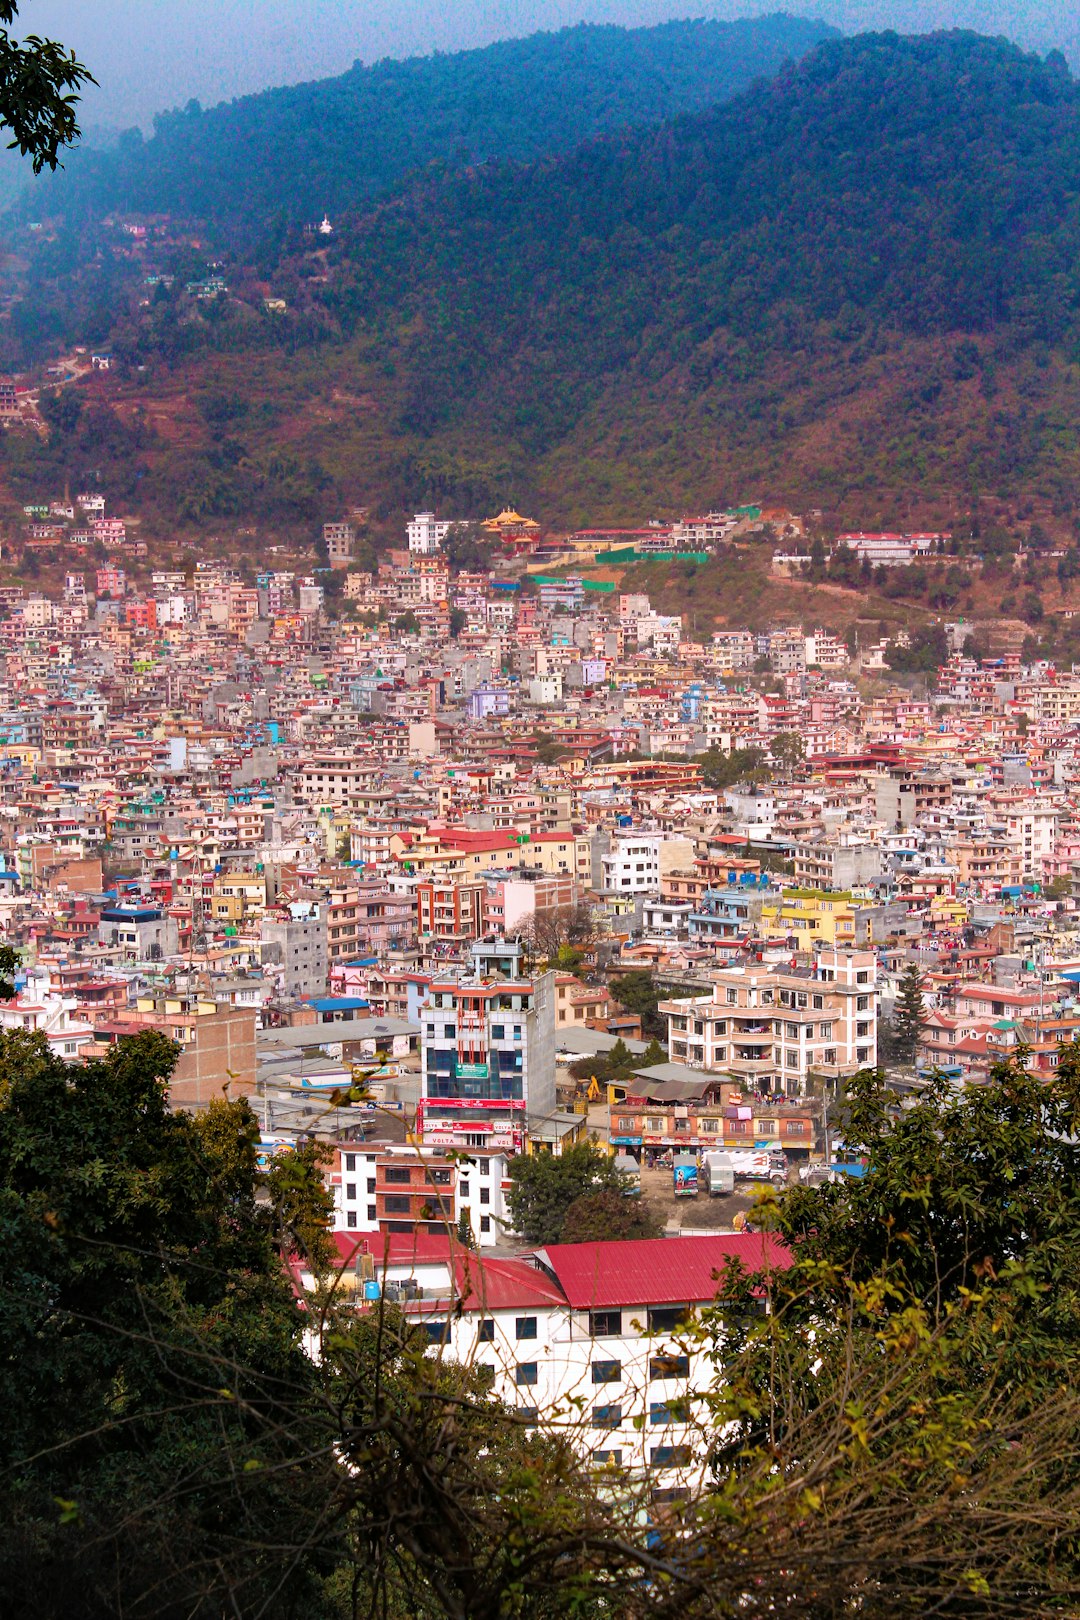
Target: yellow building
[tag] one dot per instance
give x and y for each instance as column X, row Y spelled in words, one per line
column 817, row 917
column 238, row 897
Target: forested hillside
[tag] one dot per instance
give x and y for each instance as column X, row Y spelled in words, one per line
column 334, row 143
column 855, row 287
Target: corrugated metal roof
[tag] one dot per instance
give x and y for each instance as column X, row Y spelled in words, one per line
column 500, row 1285
column 656, row 1271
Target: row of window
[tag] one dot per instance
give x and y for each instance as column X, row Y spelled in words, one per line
column 399, row 1173
column 659, row 1456
column 352, row 1219
column 661, row 1413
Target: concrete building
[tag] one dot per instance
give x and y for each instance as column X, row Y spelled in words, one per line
column 297, row 946
column 773, row 1028
column 397, row 1188
column 487, row 1052
column 426, row 533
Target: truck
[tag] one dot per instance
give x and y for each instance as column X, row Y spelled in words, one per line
column 684, row 1175
column 759, row 1164
column 717, row 1174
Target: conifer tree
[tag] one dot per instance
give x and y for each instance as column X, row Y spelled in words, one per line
column 909, row 1017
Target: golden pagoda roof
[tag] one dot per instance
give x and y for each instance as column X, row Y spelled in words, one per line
column 507, row 519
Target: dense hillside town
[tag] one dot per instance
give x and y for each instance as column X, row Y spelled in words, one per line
column 434, row 818
column 540, row 834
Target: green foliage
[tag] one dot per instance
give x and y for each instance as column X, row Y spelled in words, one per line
column 961, row 1184
column 917, row 1350
column 543, row 1187
column 637, row 991
column 901, row 1039
column 536, row 328
column 787, row 750
column 927, row 650
column 143, row 1345
column 345, row 140
column 466, row 548
column 9, row 967
column 603, row 1217
column 720, row 770
column 40, row 83
column 618, row 1064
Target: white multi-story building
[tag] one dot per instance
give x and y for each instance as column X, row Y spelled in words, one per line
column 632, row 865
column 426, row 533
column 584, row 1336
column 488, row 1053
column 398, row 1188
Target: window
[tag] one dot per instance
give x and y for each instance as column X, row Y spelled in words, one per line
column 372, row 1213
column 350, row 1217
column 436, row 1332
column 350, row 1192
column 830, row 1056
column 669, row 1366
column 525, row 1374
column 608, row 1459
column 485, row 1223
column 396, row 1204
column 605, row 1324
column 627, row 1126
column 660, row 1414
column 486, row 1331
column 606, row 1417
column 525, row 1327
column 663, row 1318
column 654, row 1123
column 398, row 1175
column 670, row 1456
column 607, row 1372
column 498, row 1032
column 526, row 1414
column 371, row 1184
column 350, row 1162
column 485, row 1195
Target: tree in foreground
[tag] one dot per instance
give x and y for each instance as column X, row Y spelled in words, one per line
column 40, row 83
column 893, row 1429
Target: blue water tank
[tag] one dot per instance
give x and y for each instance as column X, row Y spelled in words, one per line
column 371, row 1288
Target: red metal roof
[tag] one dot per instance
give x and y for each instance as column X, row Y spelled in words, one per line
column 498, row 1285
column 657, row 1271
column 394, row 1248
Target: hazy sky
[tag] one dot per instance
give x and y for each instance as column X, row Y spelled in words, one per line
column 153, row 54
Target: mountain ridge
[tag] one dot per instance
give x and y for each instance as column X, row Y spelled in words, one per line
column 330, row 143
column 854, row 287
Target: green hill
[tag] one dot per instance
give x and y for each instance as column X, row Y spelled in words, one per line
column 334, row 143
column 855, row 286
